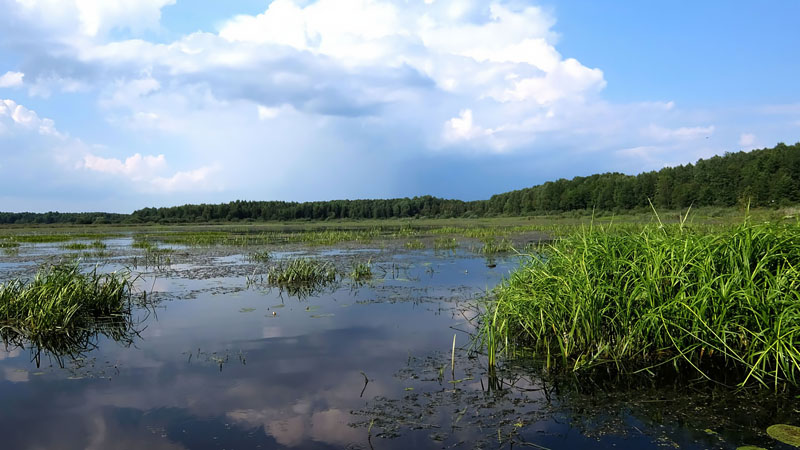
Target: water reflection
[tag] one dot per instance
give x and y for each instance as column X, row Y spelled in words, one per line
column 61, row 347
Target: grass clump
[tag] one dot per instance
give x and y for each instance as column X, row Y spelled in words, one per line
column 722, row 304
column 259, row 256
column 96, row 245
column 416, row 244
column 492, row 246
column 445, row 244
column 361, row 272
column 301, row 273
column 62, row 300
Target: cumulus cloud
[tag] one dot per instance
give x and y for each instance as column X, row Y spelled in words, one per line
column 20, row 117
column 307, row 87
column 11, row 79
column 135, row 167
column 185, row 181
column 145, row 171
column 462, row 127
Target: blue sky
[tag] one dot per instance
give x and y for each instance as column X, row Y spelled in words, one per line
column 117, row 105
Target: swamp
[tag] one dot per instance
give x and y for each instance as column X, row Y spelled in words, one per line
column 402, row 334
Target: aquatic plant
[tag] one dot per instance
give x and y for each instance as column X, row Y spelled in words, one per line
column 710, row 303
column 445, row 244
column 301, row 272
column 415, row 245
column 143, row 244
column 61, row 300
column 361, row 271
column 156, row 257
column 492, row 246
column 47, row 238
column 788, row 434
column 99, row 245
column 259, row 256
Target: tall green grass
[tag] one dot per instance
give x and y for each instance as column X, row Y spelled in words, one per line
column 62, row 300
column 301, row 276
column 717, row 303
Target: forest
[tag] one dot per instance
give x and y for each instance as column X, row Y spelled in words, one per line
column 767, row 177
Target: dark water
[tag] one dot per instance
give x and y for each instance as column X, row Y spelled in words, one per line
column 352, row 367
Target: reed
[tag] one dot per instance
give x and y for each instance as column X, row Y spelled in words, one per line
column 61, row 300
column 723, row 304
column 301, row 272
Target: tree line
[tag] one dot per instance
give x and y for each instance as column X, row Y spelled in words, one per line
column 766, row 177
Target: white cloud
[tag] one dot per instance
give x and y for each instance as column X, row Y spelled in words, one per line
column 747, row 140
column 462, row 127
column 187, row 181
column 19, row 117
column 370, row 51
column 126, row 92
column 90, row 18
column 682, row 133
column 11, row 79
column 43, row 86
column 144, row 170
column 265, row 113
column 311, row 85
column 136, row 167
column 349, row 30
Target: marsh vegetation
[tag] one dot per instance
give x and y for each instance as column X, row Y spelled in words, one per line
column 642, row 311
column 721, row 304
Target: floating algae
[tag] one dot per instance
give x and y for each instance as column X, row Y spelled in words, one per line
column 788, row 434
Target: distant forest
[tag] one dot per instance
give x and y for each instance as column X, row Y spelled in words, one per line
column 766, row 177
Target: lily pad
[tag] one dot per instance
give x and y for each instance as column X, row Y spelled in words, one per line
column 788, row 434
column 750, row 447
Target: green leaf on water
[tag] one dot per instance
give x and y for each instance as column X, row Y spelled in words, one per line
column 320, row 316
column 750, row 447
column 788, row 434
column 246, row 310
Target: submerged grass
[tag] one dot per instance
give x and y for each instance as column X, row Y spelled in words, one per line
column 62, row 300
column 721, row 304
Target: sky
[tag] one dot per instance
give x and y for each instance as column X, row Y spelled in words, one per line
column 118, row 105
